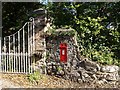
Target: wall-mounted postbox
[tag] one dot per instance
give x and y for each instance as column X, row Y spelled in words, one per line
column 63, row 52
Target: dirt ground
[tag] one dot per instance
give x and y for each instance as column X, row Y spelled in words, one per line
column 21, row 81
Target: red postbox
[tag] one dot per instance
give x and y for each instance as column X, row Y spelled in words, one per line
column 63, row 52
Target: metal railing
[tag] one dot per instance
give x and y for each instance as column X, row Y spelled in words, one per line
column 18, row 49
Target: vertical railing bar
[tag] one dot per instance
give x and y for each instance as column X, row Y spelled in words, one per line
column 31, row 69
column 23, row 50
column 21, row 62
column 11, row 61
column 19, row 49
column 2, row 64
column 33, row 50
column 7, row 61
column 5, row 52
column 1, row 61
column 29, row 46
column 16, row 54
column 33, row 24
column 14, row 51
column 16, row 60
column 9, row 55
column 26, row 61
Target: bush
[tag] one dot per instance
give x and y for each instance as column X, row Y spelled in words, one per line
column 35, row 77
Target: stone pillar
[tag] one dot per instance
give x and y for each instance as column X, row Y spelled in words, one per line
column 40, row 43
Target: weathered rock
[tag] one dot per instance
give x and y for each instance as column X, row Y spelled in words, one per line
column 108, row 76
column 79, row 80
column 75, row 73
column 91, row 66
column 74, row 62
column 94, row 77
column 61, row 72
column 77, row 68
column 110, row 69
column 112, row 76
column 99, row 82
column 81, row 65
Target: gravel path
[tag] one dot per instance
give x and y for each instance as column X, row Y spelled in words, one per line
column 21, row 81
column 7, row 84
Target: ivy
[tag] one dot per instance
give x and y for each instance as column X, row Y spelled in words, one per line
column 55, row 32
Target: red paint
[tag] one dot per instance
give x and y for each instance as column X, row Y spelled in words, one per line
column 63, row 52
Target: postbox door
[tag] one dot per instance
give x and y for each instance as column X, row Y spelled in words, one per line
column 63, row 53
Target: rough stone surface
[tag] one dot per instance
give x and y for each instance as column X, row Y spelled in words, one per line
column 110, row 69
column 112, row 76
column 77, row 69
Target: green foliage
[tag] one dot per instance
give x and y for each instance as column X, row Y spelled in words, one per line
column 59, row 68
column 91, row 21
column 103, row 56
column 15, row 14
column 53, row 33
column 34, row 77
column 92, row 42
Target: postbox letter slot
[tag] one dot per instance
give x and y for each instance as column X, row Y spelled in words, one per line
column 63, row 52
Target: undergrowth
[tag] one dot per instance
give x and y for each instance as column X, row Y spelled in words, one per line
column 35, row 77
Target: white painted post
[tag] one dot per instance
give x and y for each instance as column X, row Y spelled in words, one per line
column 21, row 62
column 9, row 55
column 2, row 62
column 29, row 46
column 5, row 52
column 33, row 23
column 16, row 61
column 13, row 67
column 23, row 50
column 19, row 49
column 26, row 61
column 7, row 61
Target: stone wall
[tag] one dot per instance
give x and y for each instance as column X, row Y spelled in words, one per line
column 53, row 49
column 77, row 68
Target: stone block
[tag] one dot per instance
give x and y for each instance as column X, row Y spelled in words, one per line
column 112, row 76
column 110, row 69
